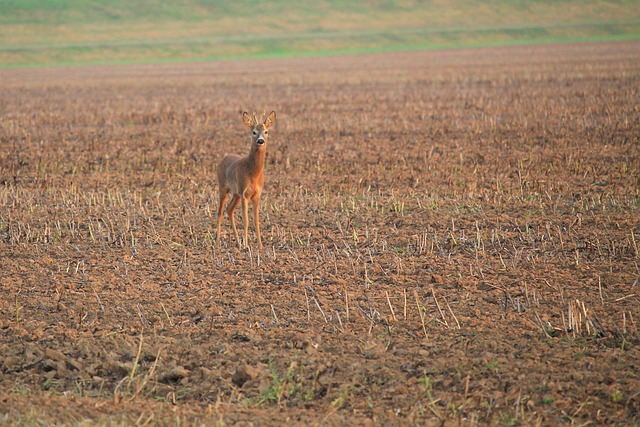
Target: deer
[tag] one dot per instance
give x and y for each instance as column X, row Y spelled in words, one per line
column 243, row 177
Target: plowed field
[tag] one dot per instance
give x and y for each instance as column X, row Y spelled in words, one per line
column 451, row 237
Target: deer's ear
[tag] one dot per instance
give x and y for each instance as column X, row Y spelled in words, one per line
column 248, row 120
column 271, row 119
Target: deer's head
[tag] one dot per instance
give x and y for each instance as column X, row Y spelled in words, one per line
column 259, row 131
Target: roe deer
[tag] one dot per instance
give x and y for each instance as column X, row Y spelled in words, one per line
column 243, row 177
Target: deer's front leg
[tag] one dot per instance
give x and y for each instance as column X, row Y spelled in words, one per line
column 256, row 219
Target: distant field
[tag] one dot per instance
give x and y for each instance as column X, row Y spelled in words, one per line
column 103, row 32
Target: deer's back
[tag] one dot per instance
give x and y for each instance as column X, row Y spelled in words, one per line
column 223, row 168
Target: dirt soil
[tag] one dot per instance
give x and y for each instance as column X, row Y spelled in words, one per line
column 451, row 238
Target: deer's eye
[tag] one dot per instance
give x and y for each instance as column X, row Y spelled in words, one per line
column 266, row 132
column 255, row 133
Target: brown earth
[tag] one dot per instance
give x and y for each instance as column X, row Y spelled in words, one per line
column 451, row 237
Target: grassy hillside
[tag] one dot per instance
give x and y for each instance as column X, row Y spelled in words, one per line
column 107, row 31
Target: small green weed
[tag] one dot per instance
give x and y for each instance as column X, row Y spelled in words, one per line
column 617, row 397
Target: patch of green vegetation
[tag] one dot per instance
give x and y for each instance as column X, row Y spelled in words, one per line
column 492, row 366
column 429, row 394
column 509, row 420
column 288, row 386
column 57, row 32
column 49, row 384
column 342, row 400
column 617, row 397
column 548, row 400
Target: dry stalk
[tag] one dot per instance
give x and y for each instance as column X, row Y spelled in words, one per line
column 142, row 318
column 274, row 314
column 346, row 302
column 600, row 290
column 451, row 311
column 250, row 254
column 541, row 324
column 421, row 313
column 404, row 291
column 466, row 387
column 340, row 322
column 633, row 324
column 308, row 310
column 99, row 301
column 393, row 314
column 137, row 360
column 166, row 314
column 371, row 325
column 148, row 375
column 571, row 319
column 433, row 292
column 579, row 317
column 320, row 308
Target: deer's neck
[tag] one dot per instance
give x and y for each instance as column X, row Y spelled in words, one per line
column 255, row 161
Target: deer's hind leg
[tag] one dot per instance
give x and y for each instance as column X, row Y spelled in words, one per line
column 230, row 208
column 223, row 198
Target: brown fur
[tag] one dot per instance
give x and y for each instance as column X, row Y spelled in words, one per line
column 243, row 177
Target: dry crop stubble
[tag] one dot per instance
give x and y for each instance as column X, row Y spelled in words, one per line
column 448, row 236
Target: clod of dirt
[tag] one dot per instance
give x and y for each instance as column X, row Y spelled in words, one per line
column 32, row 353
column 437, row 279
column 238, row 336
column 54, row 367
column 244, row 373
column 174, row 375
column 56, row 355
column 75, row 365
column 10, row 362
column 372, row 350
column 119, row 369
